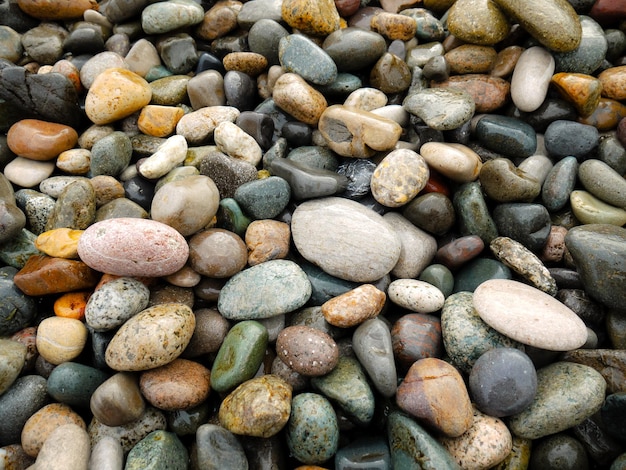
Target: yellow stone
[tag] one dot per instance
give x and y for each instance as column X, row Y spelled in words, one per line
column 59, row 243
column 115, row 94
column 316, row 17
column 159, row 121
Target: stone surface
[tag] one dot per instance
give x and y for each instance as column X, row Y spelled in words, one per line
column 416, row 296
column 307, row 351
column 399, row 177
column 441, row 108
column 416, row 336
column 158, row 450
column 44, row 422
column 217, row 447
column 61, row 339
column 354, row 307
column 531, row 78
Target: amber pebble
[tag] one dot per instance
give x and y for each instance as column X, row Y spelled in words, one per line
column 394, row 26
column 59, row 243
column 40, row 140
column 614, row 82
column 250, row 63
column 61, row 339
column 354, row 307
column 582, row 90
column 56, row 9
column 470, row 58
column 40, row 425
column 606, row 115
column 266, row 240
column 72, row 305
column 69, row 70
column 159, row 121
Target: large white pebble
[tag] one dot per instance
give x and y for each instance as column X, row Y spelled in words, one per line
column 414, row 295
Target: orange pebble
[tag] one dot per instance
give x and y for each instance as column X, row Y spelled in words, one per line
column 436, row 184
column 72, row 305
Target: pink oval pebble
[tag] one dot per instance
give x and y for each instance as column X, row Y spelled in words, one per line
column 133, row 247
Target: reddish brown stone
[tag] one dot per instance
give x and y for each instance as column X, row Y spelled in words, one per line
column 42, row 275
column 436, row 184
column 606, row 115
column 57, row 9
column 416, row 336
column 460, row 251
column 219, row 20
column 608, row 12
column 489, row 93
column 614, row 82
column 505, row 61
column 470, row 58
column 347, row 8
column 582, row 90
column 40, row 140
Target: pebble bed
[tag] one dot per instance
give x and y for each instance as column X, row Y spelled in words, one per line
column 313, row 234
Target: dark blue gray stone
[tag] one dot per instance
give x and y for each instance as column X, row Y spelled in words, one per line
column 307, row 182
column 298, row 54
column 559, row 184
column 506, row 135
column 528, row 224
column 17, row 310
column 264, row 37
column 73, row 383
column 588, row 56
column 570, row 138
column 27, row 395
column 353, row 48
column 240, row 91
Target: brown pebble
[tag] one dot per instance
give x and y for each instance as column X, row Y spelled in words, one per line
column 460, row 251
column 554, row 249
column 208, row 336
column 307, row 351
column 489, row 93
column 354, row 307
column 470, row 58
column 40, row 140
column 394, row 26
column 217, row 253
column 416, row 336
column 249, row 63
column 267, row 240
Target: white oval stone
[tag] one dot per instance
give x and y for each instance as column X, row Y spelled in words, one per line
column 531, row 78
column 345, row 239
column 417, row 296
column 27, row 173
column 169, row 155
column 66, row 447
column 529, row 315
column 455, row 161
column 237, row 143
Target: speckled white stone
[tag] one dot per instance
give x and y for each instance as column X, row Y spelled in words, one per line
column 414, row 295
column 531, row 78
column 169, row 155
column 237, row 143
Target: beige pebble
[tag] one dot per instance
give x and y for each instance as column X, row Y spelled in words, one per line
column 414, row 295
column 198, row 126
column 354, row 307
column 170, row 154
column 267, row 240
column 61, row 339
column 93, row 134
column 67, row 447
column 118, row 400
column 184, row 277
column 142, row 57
column 40, row 425
column 74, row 161
column 296, row 97
column 366, row 99
column 399, row 177
column 237, row 143
column 455, row 161
column 590, row 210
column 27, row 173
column 107, row 189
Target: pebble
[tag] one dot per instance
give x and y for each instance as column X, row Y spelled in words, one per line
column 13, row 358
column 455, row 161
column 583, row 91
column 267, row 240
column 170, row 15
column 609, row 363
column 531, row 78
column 353, row 49
column 472, row 212
column 264, row 198
column 319, row 68
column 589, row 54
column 399, row 177
column 354, row 307
column 478, row 22
column 307, row 351
column 360, row 258
column 100, row 247
column 507, row 136
column 456, row 253
column 568, row 138
column 27, row 173
column 216, row 447
column 259, row 407
column 567, row 394
column 416, row 336
column 16, row 309
column 416, row 296
column 529, row 224
column 158, row 450
column 319, row 19
column 297, row 98
column 373, row 451
column 40, row 140
column 107, row 454
column 118, row 400
column 432, row 212
column 73, row 383
column 559, row 184
column 20, row 401
column 441, row 108
column 590, row 210
column 603, row 182
column 217, row 253
column 427, row 385
column 236, row 143
column 61, row 339
column 167, row 331
column 559, row 450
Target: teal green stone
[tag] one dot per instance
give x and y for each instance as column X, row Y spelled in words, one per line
column 187, row 422
column 324, row 286
column 429, row 28
column 472, row 212
column 16, row 252
column 110, row 155
column 413, row 448
column 439, row 276
column 266, row 290
column 159, row 450
column 477, row 271
column 559, row 184
column 347, row 386
column 312, row 429
column 73, row 383
column 263, row 198
column 599, row 253
column 466, row 336
column 507, row 136
column 155, row 73
column 314, row 156
column 343, row 85
column 365, row 452
column 298, row 54
column 232, row 217
column 239, row 356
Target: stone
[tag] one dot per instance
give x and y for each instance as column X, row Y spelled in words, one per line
column 44, row 422
column 239, row 356
column 394, row 26
column 609, row 363
column 472, row 212
column 603, row 182
column 441, row 108
column 73, row 383
column 40, row 140
column 312, row 429
column 307, row 351
column 526, row 223
column 455, row 161
column 416, row 336
column 180, row 384
column 17, row 310
column 12, row 362
column 588, row 209
column 315, row 233
column 66, row 446
column 19, row 402
column 566, row 138
column 533, row 319
column 503, row 382
column 171, row 15
column 372, row 451
column 267, row 240
column 306, row 182
column 264, row 198
column 99, row 246
column 466, row 337
column 478, row 22
column 169, row 90
column 596, row 252
column 559, row 184
column 470, row 59
column 432, row 212
column 259, row 407
column 75, row 208
column 373, row 347
column 118, row 400
column 268, row 289
column 354, row 307
column 115, row 94
column 217, row 253
column 589, row 54
column 531, row 78
column 353, row 49
column 399, row 177
column 116, row 302
column 583, row 91
column 319, row 18
column 319, row 68
column 567, row 394
column 158, row 450
column 427, row 385
column 612, row 80
column 216, row 447
column 458, row 252
column 556, row 25
column 227, row 173
column 485, row 444
column 236, row 143
column 506, row 135
column 559, row 449
column 416, row 296
column 61, row 339
column 26, row 172
column 168, row 328
column 168, row 156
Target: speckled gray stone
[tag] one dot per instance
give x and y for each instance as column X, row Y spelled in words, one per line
column 115, row 302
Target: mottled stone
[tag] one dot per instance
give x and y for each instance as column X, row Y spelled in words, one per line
column 610, row 363
column 441, row 108
column 167, row 331
column 567, row 394
column 44, row 422
column 73, row 383
column 589, row 54
column 354, row 307
column 583, row 91
column 528, row 224
column 507, row 136
column 319, row 68
column 267, row 240
column 472, row 212
column 217, row 447
column 306, row 350
column 258, row 407
column 159, row 450
column 116, row 302
column 296, row 97
column 11, row 362
column 416, row 296
column 171, row 15
column 318, row 18
column 566, row 138
column 399, row 177
column 477, row 22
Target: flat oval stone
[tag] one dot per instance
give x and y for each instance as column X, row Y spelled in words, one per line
column 567, row 394
column 597, row 251
column 61, row 339
column 66, row 446
column 219, row 448
column 239, row 356
column 373, row 347
column 307, row 350
column 442, row 109
column 466, row 337
column 559, row 184
column 430, row 383
column 167, row 16
column 265, row 290
column 485, row 444
column 531, row 316
column 115, row 302
column 503, row 382
column 157, row 451
column 118, row 400
column 296, row 97
column 318, row 68
column 531, row 78
column 40, row 140
column 316, row 227
column 414, row 295
column 126, row 247
column 399, row 177
column 259, row 407
column 73, row 383
column 455, row 161
column 414, row 444
column 555, row 25
column 567, row 138
column 312, row 429
column 167, row 331
column 347, row 386
column 354, row 307
column 603, row 182
column 507, row 135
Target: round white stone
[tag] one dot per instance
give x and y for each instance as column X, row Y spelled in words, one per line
column 529, row 315
column 417, row 296
column 531, row 78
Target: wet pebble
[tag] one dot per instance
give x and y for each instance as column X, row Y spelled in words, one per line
column 416, row 296
column 118, row 400
column 307, row 350
column 115, row 302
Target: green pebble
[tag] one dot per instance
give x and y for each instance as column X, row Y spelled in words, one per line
column 73, row 383
column 477, row 271
column 159, row 450
column 439, row 276
column 233, row 218
column 264, row 198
